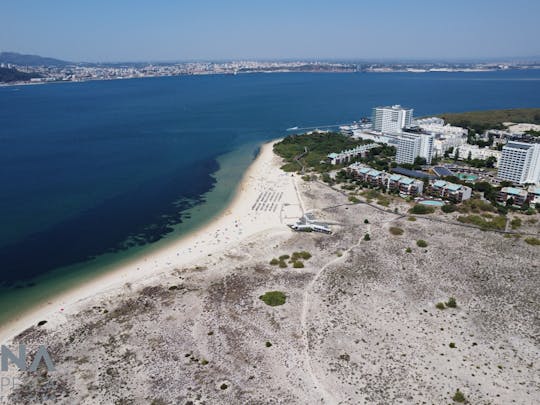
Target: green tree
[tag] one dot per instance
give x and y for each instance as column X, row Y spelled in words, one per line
column 490, row 161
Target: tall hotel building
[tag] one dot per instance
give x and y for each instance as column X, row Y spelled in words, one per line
column 412, row 145
column 520, row 163
column 391, row 119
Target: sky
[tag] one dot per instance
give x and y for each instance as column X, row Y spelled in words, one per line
column 168, row 30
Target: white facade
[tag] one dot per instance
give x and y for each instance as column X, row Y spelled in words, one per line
column 410, row 146
column 442, row 143
column 388, row 139
column 477, row 153
column 446, row 136
column 520, row 163
column 444, row 129
column 428, row 121
column 391, row 119
column 348, row 155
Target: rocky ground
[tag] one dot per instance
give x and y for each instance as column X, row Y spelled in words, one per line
column 360, row 323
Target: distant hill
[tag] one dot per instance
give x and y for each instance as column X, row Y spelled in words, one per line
column 30, row 60
column 13, row 75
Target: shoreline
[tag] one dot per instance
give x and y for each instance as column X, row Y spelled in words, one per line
column 178, row 253
column 10, row 84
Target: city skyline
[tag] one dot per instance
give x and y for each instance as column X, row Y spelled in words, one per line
column 211, row 31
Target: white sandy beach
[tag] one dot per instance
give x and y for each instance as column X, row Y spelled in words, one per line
column 266, row 198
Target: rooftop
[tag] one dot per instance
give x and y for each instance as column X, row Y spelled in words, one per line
column 442, row 171
column 514, row 191
column 412, row 173
column 406, row 180
column 453, row 187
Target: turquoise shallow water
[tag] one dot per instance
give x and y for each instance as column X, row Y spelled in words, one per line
column 95, row 173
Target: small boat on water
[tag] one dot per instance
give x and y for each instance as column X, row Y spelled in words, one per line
column 292, row 129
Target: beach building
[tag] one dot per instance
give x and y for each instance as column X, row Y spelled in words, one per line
column 346, row 156
column 405, row 185
column 534, row 196
column 449, row 191
column 475, row 152
column 520, row 163
column 368, row 175
column 391, row 119
column 393, row 182
column 517, row 197
column 412, row 145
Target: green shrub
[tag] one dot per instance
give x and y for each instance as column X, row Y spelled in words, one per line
column 452, row 345
column 366, row 237
column 422, row 209
column 451, row 303
column 290, row 167
column 273, row 298
column 274, row 262
column 421, row 243
column 458, row 396
column 532, row 241
column 448, row 208
column 408, row 250
column 384, row 201
column 353, row 199
column 440, row 305
column 498, row 222
column 476, row 205
column 268, row 344
column 305, row 255
column 366, row 221
column 282, row 264
column 284, row 257
column 394, row 230
column 298, row 264
column 411, row 218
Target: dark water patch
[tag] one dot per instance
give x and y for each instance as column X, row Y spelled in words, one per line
column 135, row 218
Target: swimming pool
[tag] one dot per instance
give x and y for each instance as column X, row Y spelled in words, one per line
column 467, row 177
column 432, row 202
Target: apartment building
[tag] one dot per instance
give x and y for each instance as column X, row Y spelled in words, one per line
column 520, row 163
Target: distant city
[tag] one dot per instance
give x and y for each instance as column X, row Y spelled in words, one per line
column 17, row 68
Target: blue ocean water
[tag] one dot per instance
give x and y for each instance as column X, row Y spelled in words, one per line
column 100, row 167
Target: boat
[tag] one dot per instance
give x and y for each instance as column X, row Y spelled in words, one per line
column 292, row 129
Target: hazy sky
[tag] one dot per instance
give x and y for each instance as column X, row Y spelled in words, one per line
column 136, row 30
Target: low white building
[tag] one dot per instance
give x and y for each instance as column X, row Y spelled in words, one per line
column 444, row 142
column 476, row 152
column 346, row 156
column 428, row 121
column 379, row 137
column 446, row 135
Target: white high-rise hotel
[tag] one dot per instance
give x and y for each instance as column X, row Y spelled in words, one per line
column 391, row 119
column 520, row 163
